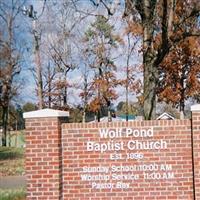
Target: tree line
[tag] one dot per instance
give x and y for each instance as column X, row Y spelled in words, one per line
column 145, row 51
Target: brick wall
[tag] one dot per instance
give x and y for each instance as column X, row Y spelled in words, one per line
column 58, row 160
column 43, row 162
column 196, row 152
column 178, row 154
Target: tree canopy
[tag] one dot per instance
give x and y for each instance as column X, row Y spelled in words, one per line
column 87, row 56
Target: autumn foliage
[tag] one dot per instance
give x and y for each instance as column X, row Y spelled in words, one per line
column 180, row 73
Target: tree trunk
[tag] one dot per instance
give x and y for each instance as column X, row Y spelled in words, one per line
column 150, row 84
column 109, row 116
column 127, row 81
column 49, row 86
column 98, row 115
column 38, row 66
column 146, row 8
column 16, row 135
column 127, row 78
column 39, row 77
column 65, row 91
column 182, row 100
column 182, row 108
column 99, row 97
column 150, row 73
column 9, row 138
column 85, row 96
column 5, row 125
column 84, row 116
column 109, row 111
column 65, row 96
column 127, row 107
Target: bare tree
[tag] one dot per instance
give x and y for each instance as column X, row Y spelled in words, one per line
column 49, row 84
column 132, row 80
column 10, row 57
column 85, row 87
column 65, row 46
column 36, row 32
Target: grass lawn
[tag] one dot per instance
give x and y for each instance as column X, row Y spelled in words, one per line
column 12, row 164
column 11, row 161
column 18, row 194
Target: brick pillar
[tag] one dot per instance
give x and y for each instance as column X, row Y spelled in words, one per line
column 43, row 154
column 196, row 147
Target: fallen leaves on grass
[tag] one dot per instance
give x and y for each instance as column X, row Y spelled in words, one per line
column 8, row 194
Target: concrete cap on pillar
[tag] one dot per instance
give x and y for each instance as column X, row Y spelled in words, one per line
column 195, row 107
column 45, row 113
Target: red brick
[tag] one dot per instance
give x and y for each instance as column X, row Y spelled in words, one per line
column 44, row 159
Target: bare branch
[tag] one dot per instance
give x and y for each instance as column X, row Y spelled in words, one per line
column 107, row 8
column 83, row 12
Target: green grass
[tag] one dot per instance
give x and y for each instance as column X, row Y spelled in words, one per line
column 11, row 153
column 17, row 194
column 11, row 161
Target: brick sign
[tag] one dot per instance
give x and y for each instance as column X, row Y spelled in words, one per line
column 141, row 159
column 118, row 160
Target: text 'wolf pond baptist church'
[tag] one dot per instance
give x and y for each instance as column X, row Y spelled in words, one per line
column 131, row 144
column 150, row 159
